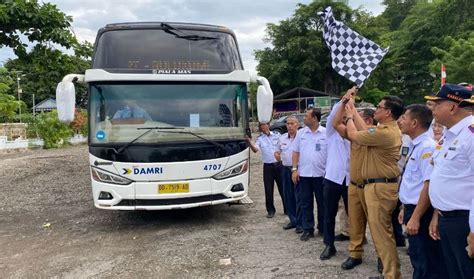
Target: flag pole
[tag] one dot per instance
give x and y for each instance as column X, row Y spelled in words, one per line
column 443, row 74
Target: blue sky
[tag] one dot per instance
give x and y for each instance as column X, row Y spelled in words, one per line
column 247, row 18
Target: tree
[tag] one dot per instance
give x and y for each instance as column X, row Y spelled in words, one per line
column 458, row 59
column 44, row 26
column 411, row 45
column 40, row 23
column 8, row 103
column 396, row 11
column 299, row 56
column 45, row 67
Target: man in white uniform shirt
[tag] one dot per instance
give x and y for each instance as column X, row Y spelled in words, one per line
column 267, row 143
column 470, row 237
column 451, row 187
column 308, row 168
column 469, row 103
column 425, row 253
column 284, row 154
column 335, row 182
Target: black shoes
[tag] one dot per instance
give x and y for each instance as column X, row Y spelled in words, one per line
column 350, row 263
column 328, row 252
column 341, row 237
column 298, row 230
column 306, row 236
column 400, row 242
column 270, row 214
column 289, row 226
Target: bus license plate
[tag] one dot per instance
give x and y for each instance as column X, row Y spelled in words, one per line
column 173, row 188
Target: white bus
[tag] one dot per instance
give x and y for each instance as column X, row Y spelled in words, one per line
column 168, row 115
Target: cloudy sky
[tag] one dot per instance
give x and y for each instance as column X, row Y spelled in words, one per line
column 247, row 18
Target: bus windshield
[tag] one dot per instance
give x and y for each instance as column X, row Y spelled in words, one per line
column 140, row 50
column 214, row 111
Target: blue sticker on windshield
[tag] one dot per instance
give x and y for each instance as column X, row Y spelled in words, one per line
column 100, row 135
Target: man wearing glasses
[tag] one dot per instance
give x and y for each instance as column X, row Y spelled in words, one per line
column 379, row 170
column 451, row 187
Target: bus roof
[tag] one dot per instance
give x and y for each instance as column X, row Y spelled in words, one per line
column 157, row 25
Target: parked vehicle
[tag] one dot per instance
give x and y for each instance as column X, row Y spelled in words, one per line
column 181, row 142
column 279, row 125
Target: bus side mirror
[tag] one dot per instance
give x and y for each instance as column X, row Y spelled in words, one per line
column 66, row 101
column 264, row 100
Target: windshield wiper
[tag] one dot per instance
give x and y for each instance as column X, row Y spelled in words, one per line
column 164, row 130
column 198, row 136
column 121, row 149
column 180, row 34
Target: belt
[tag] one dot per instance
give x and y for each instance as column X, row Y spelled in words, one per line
column 381, row 180
column 454, row 213
column 273, row 164
column 410, row 206
column 358, row 185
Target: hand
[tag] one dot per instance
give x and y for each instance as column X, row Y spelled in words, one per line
column 350, row 108
column 247, row 139
column 400, row 216
column 350, row 94
column 295, row 177
column 434, row 229
column 277, row 156
column 470, row 245
column 413, row 226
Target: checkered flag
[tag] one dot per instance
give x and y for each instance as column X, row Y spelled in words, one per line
column 353, row 56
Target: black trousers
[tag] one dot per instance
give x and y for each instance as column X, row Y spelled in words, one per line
column 332, row 194
column 271, row 175
column 397, row 227
column 425, row 253
column 453, row 230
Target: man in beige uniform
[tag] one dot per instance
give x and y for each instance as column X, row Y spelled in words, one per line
column 379, row 171
column 356, row 201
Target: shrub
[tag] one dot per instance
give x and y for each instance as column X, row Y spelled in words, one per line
column 51, row 130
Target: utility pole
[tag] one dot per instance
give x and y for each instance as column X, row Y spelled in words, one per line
column 19, row 92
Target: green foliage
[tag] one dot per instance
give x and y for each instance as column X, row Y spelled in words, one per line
column 373, row 96
column 9, row 106
column 45, row 67
column 31, row 129
column 415, row 30
column 458, row 59
column 51, row 130
column 421, row 31
column 40, row 23
column 299, row 56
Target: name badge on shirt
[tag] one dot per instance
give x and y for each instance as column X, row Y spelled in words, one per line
column 405, row 150
column 318, row 147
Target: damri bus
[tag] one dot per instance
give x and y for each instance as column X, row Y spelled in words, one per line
column 168, row 116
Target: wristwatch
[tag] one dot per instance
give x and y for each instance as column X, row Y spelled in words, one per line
column 294, row 169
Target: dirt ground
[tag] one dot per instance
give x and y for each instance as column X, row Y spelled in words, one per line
column 50, row 228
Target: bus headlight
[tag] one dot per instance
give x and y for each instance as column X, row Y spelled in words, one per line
column 101, row 175
column 233, row 171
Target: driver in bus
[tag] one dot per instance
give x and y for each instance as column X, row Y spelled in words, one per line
column 131, row 110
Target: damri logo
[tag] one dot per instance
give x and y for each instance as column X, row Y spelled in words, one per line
column 151, row 170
